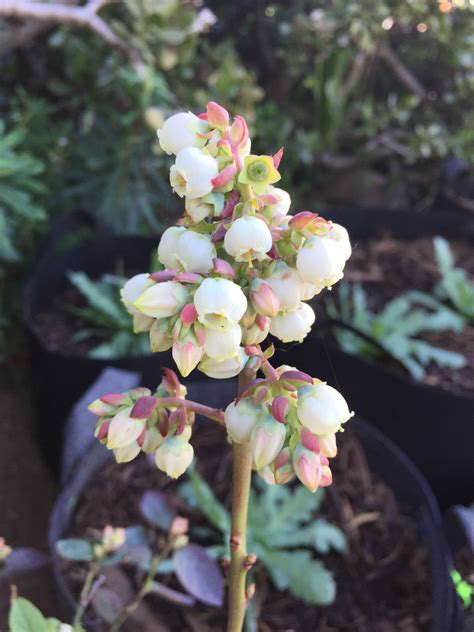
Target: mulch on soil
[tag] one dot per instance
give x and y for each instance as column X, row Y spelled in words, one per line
column 383, row 583
column 388, row 267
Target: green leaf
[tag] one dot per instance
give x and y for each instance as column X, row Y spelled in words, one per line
column 75, row 549
column 304, row 577
column 319, row 535
column 25, row 617
column 199, row 494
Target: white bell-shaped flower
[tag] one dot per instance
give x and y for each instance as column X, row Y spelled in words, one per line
column 287, row 285
column 282, row 206
column 168, row 246
column 266, row 441
column 195, row 252
column 293, row 326
column 241, row 419
column 222, row 345
column 220, row 303
column 174, row 456
column 340, row 234
column 321, row 408
column 181, row 131
column 162, row 299
column 321, row 261
column 132, row 290
column 248, row 238
column 223, row 370
column 193, row 172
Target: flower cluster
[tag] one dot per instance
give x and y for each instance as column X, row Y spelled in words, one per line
column 291, row 421
column 237, row 266
column 158, row 424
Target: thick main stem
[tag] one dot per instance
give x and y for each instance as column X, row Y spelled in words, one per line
column 241, row 476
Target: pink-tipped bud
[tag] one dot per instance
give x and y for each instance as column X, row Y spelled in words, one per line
column 262, row 322
column 239, row 132
column 283, row 467
column 328, row 445
column 326, row 476
column 187, row 356
column 264, row 299
column 188, row 277
column 100, row 408
column 188, row 314
column 307, row 466
column 217, row 116
column 144, row 407
column 225, row 176
column 102, row 429
column 277, row 157
column 280, row 408
column 115, row 399
column 309, row 440
column 221, row 266
column 163, row 275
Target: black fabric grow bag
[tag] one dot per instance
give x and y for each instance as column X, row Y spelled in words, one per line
column 433, row 426
column 385, row 459
column 58, row 379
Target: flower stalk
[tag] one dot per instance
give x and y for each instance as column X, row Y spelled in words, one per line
column 241, row 477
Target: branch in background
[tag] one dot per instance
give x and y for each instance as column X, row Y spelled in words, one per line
column 86, row 16
column 401, row 71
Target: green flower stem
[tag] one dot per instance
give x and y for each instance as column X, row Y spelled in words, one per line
column 84, row 596
column 241, row 477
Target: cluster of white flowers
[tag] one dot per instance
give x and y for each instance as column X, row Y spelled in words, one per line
column 238, row 266
column 291, row 424
column 136, row 421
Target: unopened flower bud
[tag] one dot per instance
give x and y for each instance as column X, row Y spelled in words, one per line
column 257, row 333
column 283, row 467
column 287, row 285
column 180, row 131
column 220, row 303
column 281, row 203
column 217, row 116
column 124, row 430
column 168, row 246
column 142, row 323
column 266, row 441
column 321, row 261
column 264, row 299
column 309, row 440
column 328, row 445
column 241, row 419
column 222, row 345
column 248, row 238
column 307, row 466
column 223, row 370
column 132, row 289
column 187, row 354
column 127, row 453
column 112, row 539
column 162, row 299
column 293, row 326
column 179, row 526
column 267, row 474
column 280, row 408
column 195, row 252
column 174, row 456
column 160, row 339
column 321, row 408
column 152, row 440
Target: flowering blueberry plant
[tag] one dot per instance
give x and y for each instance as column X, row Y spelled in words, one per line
column 236, row 268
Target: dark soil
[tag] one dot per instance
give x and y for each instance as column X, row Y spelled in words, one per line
column 389, row 267
column 383, row 583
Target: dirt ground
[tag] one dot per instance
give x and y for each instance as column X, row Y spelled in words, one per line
column 27, row 487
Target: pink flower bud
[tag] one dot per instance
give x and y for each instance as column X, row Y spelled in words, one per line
column 328, row 445
column 310, row 441
column 115, row 399
column 267, row 474
column 280, row 408
column 307, row 467
column 326, row 476
column 221, row 266
column 217, row 116
column 187, row 355
column 144, row 407
column 239, row 132
column 264, row 299
column 225, row 176
column 188, row 314
column 283, row 467
column 266, row 441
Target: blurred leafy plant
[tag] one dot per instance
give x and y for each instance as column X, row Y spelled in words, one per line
column 455, row 284
column 25, row 616
column 106, row 318
column 282, row 532
column 394, row 329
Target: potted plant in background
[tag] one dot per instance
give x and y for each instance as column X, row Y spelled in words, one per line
column 246, row 268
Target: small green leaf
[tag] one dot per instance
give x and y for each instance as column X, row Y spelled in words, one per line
column 75, row 549
column 25, row 617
